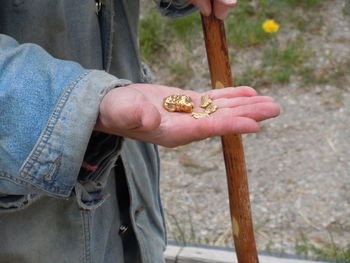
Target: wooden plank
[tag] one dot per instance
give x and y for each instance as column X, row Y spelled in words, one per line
column 205, row 255
column 171, row 253
column 269, row 259
column 202, row 255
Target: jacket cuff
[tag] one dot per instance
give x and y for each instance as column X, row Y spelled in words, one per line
column 54, row 163
column 175, row 8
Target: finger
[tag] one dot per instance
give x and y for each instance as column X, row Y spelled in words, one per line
column 241, row 101
column 258, row 112
column 211, row 126
column 222, row 8
column 231, row 92
column 224, row 124
column 204, row 6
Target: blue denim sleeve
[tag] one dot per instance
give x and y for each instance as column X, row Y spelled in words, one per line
column 175, row 8
column 48, row 108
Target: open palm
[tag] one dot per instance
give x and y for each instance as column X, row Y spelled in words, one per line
column 136, row 111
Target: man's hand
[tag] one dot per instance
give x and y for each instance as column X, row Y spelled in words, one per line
column 221, row 7
column 136, row 111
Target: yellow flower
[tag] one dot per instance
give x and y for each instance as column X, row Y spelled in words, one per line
column 270, row 26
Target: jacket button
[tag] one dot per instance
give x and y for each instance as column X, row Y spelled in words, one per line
column 123, row 229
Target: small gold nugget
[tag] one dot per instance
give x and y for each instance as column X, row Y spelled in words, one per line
column 178, row 102
column 205, row 101
column 198, row 115
column 211, row 109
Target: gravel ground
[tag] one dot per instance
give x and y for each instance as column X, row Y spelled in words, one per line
column 298, row 165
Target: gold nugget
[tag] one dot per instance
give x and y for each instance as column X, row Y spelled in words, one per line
column 205, row 101
column 198, row 115
column 178, row 102
column 211, row 109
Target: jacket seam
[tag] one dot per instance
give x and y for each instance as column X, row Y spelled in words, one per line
column 110, row 36
column 59, row 190
column 86, row 236
column 13, row 178
column 51, row 174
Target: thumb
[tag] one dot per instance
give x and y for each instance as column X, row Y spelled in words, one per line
column 222, row 8
column 144, row 117
column 122, row 111
column 204, row 6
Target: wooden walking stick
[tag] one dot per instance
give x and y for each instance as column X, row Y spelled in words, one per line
column 220, row 72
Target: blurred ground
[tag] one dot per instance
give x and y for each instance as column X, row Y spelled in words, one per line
column 299, row 164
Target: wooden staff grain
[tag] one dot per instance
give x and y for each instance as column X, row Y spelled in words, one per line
column 221, row 76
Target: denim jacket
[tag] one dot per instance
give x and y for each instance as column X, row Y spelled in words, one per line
column 57, row 61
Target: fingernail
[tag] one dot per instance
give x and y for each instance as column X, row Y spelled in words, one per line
column 231, row 2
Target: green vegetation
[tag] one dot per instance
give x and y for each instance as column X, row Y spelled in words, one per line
column 180, row 235
column 281, row 58
column 326, row 251
column 278, row 65
column 243, row 26
column 187, row 27
column 306, row 4
column 252, row 77
column 157, row 33
column 153, row 37
column 281, row 63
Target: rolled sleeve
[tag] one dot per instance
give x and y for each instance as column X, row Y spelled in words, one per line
column 55, row 161
column 48, row 111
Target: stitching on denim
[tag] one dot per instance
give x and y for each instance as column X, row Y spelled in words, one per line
column 86, row 236
column 51, row 175
column 83, row 234
column 51, row 125
column 60, row 190
column 13, row 178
